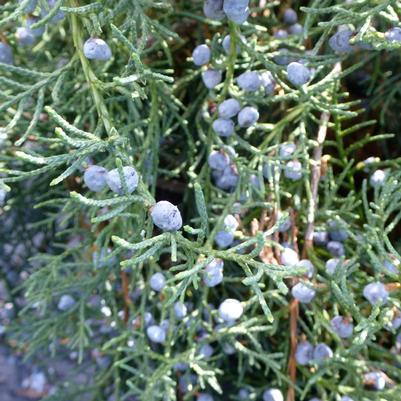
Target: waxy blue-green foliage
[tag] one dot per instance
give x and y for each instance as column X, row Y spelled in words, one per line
column 136, row 149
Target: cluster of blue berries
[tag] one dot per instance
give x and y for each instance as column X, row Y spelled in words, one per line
column 235, row 10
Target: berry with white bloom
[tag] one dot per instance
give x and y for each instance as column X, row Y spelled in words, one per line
column 223, row 127
column 211, row 78
column 213, row 274
column 296, row 29
column 230, row 223
column 286, row 150
column 228, row 349
column 322, row 352
column 320, row 237
column 218, row 160
column 336, row 248
column 97, row 49
column 377, row 179
column 303, row 293
column 290, row 16
column 224, row 239
column 248, row 116
column 156, row 334
column 228, row 179
column 377, row 380
column 201, row 55
column 36, row 31
column 289, row 257
column 249, row 81
column 331, row 265
column 243, row 394
column 393, row 34
column 157, row 282
column 230, row 310
column 346, row 398
column 3, row 195
column 166, row 216
column 95, row 178
column 339, row 42
column 213, row 9
column 6, row 54
column 304, row 353
column 206, row 351
column 342, row 327
column 66, row 302
column 25, row 36
column 273, row 394
column 227, row 44
column 115, row 184
column 236, row 10
column 336, row 232
column 293, row 170
column 281, row 34
column 310, row 269
column 285, row 225
column 268, row 82
column 298, row 74
column 229, row 108
column 180, row 310
column 375, row 293
column 392, row 265
column 204, row 397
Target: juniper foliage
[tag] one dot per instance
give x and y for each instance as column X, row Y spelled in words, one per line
column 147, row 107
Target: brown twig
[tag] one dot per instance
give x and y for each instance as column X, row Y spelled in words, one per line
column 127, row 299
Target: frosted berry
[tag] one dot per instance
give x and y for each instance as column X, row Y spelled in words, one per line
column 157, row 282
column 6, row 54
column 293, row 170
column 230, row 223
column 336, row 232
column 320, row 237
column 211, row 78
column 229, row 108
column 296, row 29
column 322, row 352
column 114, row 182
column 346, row 398
column 268, row 82
column 393, row 34
column 204, row 397
column 156, row 334
column 285, row 224
column 304, row 353
column 213, row 274
column 236, row 10
column 303, row 293
column 213, row 9
column 206, row 350
column 25, row 36
column 166, row 216
column 243, row 394
column 249, row 81
column 227, row 44
column 331, row 265
column 97, row 49
column 392, row 265
column 248, row 116
column 375, row 293
column 282, row 58
column 273, row 394
column 342, row 327
column 223, row 127
column 298, row 74
column 228, row 179
column 281, row 34
column 339, row 42
column 289, row 257
column 290, row 16
column 3, row 195
column 286, row 150
column 377, row 179
column 44, row 11
column 224, row 239
column 336, row 248
column 230, row 310
column 308, row 265
column 376, row 380
column 218, row 160
column 201, row 55
column 37, row 31
column 95, row 178
column 66, row 302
